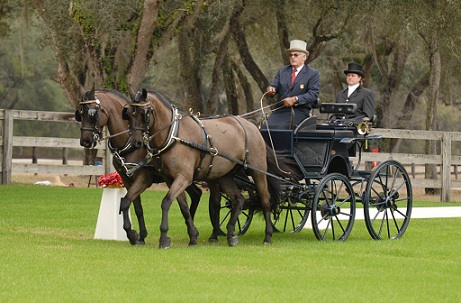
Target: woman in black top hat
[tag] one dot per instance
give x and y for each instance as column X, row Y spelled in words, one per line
column 356, row 93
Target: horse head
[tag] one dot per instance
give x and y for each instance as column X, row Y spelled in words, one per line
column 88, row 114
column 139, row 113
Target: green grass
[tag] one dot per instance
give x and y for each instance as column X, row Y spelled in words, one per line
column 48, row 254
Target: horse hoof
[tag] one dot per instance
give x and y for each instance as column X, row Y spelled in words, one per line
column 133, row 236
column 140, row 242
column 233, row 241
column 221, row 233
column 213, row 240
column 165, row 243
column 193, row 245
column 267, row 243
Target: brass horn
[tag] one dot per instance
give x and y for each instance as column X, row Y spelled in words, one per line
column 364, row 127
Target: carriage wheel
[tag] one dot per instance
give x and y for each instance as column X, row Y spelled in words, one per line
column 388, row 201
column 248, row 209
column 333, row 209
column 292, row 212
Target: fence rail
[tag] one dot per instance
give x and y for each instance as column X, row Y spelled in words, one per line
column 445, row 160
column 8, row 141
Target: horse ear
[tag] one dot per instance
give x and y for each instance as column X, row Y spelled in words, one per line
column 78, row 117
column 144, row 93
column 92, row 95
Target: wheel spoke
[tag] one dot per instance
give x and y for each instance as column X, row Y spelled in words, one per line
column 388, row 192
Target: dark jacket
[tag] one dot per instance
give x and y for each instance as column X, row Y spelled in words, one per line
column 364, row 99
column 306, row 87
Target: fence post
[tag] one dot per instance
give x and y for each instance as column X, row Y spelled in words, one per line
column 7, row 162
column 446, row 167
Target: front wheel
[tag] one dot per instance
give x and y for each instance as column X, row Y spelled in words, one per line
column 388, row 201
column 333, row 209
column 292, row 211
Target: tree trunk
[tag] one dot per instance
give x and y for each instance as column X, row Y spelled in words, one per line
column 406, row 114
column 242, row 46
column 434, row 84
column 229, row 84
column 142, row 53
column 190, row 62
column 246, row 86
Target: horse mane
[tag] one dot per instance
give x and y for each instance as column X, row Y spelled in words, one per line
column 161, row 97
column 115, row 92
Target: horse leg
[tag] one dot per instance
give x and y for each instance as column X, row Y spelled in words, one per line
column 142, row 224
column 175, row 190
column 134, row 190
column 263, row 192
column 131, row 234
column 214, row 210
column 191, row 230
column 195, row 194
column 227, row 184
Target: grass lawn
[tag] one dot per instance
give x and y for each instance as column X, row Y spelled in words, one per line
column 48, row 254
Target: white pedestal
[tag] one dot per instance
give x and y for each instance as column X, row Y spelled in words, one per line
column 110, row 223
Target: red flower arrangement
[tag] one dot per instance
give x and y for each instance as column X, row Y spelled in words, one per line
column 112, row 180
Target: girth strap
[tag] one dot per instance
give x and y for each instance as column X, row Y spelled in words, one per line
column 205, row 137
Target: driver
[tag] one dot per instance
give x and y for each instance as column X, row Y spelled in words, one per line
column 297, row 86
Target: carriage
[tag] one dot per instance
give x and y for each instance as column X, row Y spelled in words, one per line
column 333, row 185
column 326, row 156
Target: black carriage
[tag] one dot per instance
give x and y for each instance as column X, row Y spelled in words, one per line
column 333, row 183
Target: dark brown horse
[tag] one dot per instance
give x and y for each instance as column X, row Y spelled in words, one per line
column 104, row 108
column 210, row 149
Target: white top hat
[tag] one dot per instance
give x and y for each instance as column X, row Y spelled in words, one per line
column 298, row 46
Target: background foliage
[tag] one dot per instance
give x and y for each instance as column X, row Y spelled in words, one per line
column 218, row 56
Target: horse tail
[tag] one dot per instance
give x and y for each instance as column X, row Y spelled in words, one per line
column 283, row 166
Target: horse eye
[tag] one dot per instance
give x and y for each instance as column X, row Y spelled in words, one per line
column 147, row 115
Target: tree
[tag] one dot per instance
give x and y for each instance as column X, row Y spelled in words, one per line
column 109, row 44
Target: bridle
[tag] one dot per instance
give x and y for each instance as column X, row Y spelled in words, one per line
column 92, row 117
column 147, row 111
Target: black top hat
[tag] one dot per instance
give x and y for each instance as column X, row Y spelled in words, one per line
column 354, row 68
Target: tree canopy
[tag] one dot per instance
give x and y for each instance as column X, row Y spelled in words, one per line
column 218, row 56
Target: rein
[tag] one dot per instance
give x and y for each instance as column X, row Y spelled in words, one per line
column 270, row 136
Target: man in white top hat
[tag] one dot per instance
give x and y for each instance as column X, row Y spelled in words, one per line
column 297, row 86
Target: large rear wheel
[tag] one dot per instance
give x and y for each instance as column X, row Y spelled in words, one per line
column 333, row 209
column 388, row 201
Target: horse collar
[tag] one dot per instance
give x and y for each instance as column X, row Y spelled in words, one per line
column 172, row 135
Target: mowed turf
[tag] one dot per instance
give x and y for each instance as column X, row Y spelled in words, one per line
column 48, row 254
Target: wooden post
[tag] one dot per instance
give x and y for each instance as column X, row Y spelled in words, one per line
column 446, row 167
column 7, row 162
column 65, row 155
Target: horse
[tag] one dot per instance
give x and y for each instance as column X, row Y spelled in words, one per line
column 213, row 150
column 104, row 108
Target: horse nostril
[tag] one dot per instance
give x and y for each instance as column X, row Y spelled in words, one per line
column 137, row 144
column 86, row 144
